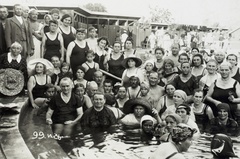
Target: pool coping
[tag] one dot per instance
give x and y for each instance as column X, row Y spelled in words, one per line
column 11, row 141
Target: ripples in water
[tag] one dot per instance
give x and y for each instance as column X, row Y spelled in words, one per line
column 127, row 144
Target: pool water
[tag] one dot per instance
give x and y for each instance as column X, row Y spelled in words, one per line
column 122, row 144
column 127, row 145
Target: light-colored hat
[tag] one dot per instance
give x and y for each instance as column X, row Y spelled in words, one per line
column 181, row 93
column 148, row 61
column 11, row 81
column 32, row 63
column 145, row 118
column 136, row 59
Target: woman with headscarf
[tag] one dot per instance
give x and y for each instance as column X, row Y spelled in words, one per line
column 179, row 97
column 184, row 110
column 223, row 123
column 181, row 141
column 147, row 128
column 222, row 147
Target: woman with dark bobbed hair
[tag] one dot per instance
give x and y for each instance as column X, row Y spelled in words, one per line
column 68, row 32
column 128, row 45
column 100, row 52
column 52, row 42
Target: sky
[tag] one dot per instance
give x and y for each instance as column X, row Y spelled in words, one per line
column 225, row 12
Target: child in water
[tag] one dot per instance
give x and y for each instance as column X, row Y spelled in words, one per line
column 43, row 102
column 147, row 128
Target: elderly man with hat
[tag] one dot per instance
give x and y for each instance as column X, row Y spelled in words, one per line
column 135, row 109
column 223, row 123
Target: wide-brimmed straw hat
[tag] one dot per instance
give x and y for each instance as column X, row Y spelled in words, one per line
column 32, row 63
column 129, row 105
column 136, row 59
column 11, row 81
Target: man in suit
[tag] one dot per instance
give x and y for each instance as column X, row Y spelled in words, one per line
column 3, row 17
column 18, row 29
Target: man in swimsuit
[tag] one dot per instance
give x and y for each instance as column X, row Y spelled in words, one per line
column 155, row 91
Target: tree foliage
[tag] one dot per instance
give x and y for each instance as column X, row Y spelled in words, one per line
column 160, row 15
column 97, row 7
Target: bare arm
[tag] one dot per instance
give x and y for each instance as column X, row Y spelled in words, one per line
column 124, row 73
column 209, row 96
column 62, row 46
column 30, row 85
column 210, row 113
column 69, row 51
column 49, row 116
column 80, row 113
column 43, row 45
column 236, row 100
column 96, row 66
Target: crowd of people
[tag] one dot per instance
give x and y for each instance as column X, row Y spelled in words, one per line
column 173, row 98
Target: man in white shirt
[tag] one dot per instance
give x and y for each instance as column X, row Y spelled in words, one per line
column 92, row 40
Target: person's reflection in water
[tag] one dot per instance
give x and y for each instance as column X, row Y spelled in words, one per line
column 97, row 119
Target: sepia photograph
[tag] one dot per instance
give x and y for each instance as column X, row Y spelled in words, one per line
column 119, row 79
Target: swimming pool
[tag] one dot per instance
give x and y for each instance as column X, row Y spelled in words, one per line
column 119, row 145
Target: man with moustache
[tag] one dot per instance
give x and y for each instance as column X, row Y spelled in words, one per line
column 18, row 30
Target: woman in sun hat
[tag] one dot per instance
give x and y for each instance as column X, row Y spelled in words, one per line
column 132, row 66
column 222, row 147
column 135, row 109
column 37, row 82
